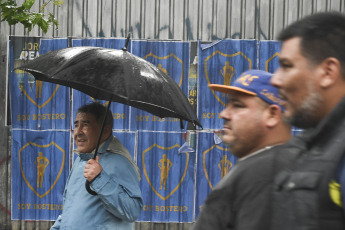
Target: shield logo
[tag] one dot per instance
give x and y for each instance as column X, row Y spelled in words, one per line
column 104, row 103
column 221, row 68
column 170, row 64
column 216, row 165
column 41, row 166
column 167, row 171
column 37, row 92
column 272, row 62
column 34, row 90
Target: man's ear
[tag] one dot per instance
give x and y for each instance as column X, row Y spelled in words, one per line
column 331, row 72
column 107, row 131
column 274, row 115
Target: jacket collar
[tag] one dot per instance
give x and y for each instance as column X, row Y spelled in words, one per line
column 111, row 145
column 330, row 124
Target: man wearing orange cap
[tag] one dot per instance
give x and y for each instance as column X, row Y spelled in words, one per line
column 254, row 130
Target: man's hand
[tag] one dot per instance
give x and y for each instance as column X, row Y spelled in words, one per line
column 92, row 169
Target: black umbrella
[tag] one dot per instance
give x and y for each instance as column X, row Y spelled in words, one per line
column 102, row 73
column 114, row 75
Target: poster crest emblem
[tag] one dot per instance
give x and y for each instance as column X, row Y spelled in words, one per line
column 164, row 166
column 26, row 81
column 272, row 61
column 161, row 63
column 33, row 167
column 226, row 69
column 205, row 160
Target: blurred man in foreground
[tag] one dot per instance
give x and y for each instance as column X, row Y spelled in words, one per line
column 311, row 79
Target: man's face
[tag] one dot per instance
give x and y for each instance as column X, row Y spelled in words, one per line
column 86, row 132
column 243, row 123
column 297, row 82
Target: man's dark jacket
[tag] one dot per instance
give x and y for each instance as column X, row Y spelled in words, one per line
column 242, row 199
column 301, row 197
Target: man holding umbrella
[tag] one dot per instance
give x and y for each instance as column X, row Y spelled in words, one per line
column 113, row 176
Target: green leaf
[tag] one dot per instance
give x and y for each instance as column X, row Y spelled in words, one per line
column 6, row 13
column 51, row 19
column 43, row 24
column 28, row 4
column 43, row 6
column 14, row 14
column 9, row 3
column 58, row 3
column 21, row 17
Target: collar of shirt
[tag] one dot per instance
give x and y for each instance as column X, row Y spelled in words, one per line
column 257, row 152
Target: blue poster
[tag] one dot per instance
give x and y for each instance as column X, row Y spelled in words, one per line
column 214, row 162
column 35, row 104
column 173, row 59
column 167, row 177
column 111, row 43
column 128, row 139
column 40, row 167
column 221, row 63
column 269, row 55
column 120, row 111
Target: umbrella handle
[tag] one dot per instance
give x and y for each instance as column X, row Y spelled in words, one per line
column 88, row 189
column 125, row 48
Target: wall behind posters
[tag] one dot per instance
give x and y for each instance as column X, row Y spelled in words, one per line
column 189, row 20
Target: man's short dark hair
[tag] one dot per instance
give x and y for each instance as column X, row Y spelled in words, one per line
column 98, row 110
column 322, row 36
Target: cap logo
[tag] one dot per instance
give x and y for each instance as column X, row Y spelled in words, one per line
column 271, row 96
column 247, row 79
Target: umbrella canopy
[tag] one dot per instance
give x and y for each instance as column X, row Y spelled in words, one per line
column 116, row 75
